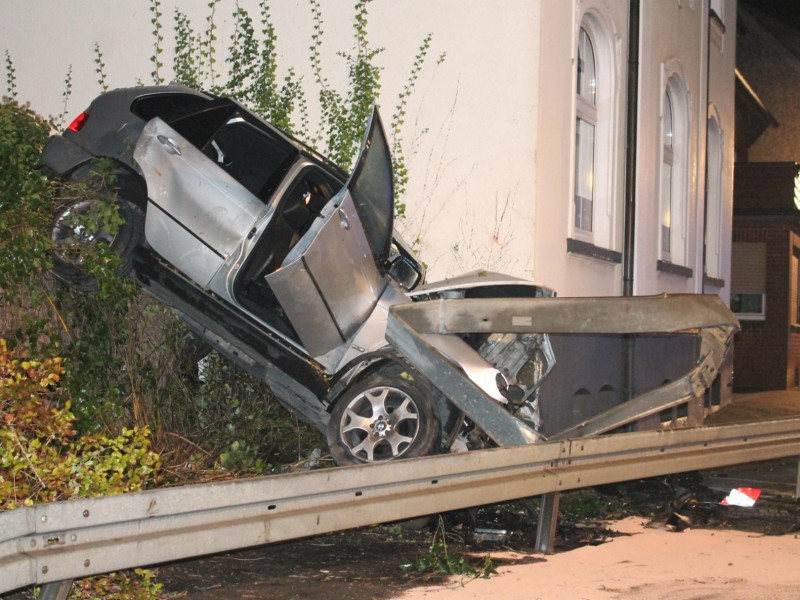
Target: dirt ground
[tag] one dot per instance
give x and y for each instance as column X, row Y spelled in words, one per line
column 652, row 564
column 645, row 551
column 650, row 539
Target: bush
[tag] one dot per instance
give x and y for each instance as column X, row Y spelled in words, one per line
column 24, row 193
column 42, row 458
column 38, row 312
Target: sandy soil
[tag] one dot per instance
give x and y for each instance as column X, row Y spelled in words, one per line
column 647, row 563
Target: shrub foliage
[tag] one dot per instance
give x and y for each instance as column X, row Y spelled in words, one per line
column 42, row 457
column 128, row 362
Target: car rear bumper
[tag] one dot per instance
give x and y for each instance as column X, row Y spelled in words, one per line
column 63, row 156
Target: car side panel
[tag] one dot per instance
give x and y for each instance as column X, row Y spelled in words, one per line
column 177, row 244
column 229, row 323
column 61, row 155
column 203, row 213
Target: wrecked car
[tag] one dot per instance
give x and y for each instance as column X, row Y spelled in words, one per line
column 286, row 266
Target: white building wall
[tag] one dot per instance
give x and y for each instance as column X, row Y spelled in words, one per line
column 574, row 274
column 490, row 132
column 722, row 86
column 470, row 198
column 674, row 39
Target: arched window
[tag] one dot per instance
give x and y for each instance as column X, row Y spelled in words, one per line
column 606, row 398
column 674, row 162
column 667, row 169
column 714, row 154
column 585, row 125
column 581, row 405
column 596, row 112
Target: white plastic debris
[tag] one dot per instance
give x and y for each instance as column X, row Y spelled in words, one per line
column 741, row 497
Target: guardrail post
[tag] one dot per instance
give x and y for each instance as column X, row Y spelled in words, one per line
column 548, row 519
column 797, row 485
column 57, row 590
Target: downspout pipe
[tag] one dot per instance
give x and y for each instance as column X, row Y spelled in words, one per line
column 631, row 132
column 631, row 147
column 707, row 99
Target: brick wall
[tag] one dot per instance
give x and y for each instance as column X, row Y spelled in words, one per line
column 764, row 187
column 762, row 358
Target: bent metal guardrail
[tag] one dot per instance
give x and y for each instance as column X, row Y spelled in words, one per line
column 705, row 315
column 72, row 539
column 65, row 540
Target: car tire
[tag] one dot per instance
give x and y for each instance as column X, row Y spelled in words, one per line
column 387, row 415
column 66, row 241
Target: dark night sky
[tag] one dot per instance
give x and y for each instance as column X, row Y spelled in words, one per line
column 787, row 11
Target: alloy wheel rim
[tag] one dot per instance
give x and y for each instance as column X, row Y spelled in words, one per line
column 68, row 238
column 380, row 423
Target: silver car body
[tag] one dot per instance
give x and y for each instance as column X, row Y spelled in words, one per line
column 331, row 282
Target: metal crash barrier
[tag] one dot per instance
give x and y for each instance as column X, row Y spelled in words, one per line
column 53, row 543
column 73, row 539
column 706, row 315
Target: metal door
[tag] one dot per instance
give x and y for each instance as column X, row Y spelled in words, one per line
column 197, row 214
column 330, row 282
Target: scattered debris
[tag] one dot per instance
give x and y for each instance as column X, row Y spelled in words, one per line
column 745, row 497
column 312, row 462
column 484, row 534
column 677, row 523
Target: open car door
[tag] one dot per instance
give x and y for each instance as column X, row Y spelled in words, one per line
column 330, row 282
column 204, row 195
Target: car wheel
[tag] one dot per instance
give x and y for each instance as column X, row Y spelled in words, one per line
column 388, row 415
column 70, row 239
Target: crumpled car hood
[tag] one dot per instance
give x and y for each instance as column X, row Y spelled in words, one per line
column 474, row 279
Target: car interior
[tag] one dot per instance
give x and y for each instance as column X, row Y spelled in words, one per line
column 293, row 217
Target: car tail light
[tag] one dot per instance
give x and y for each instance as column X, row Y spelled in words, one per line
column 79, row 121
